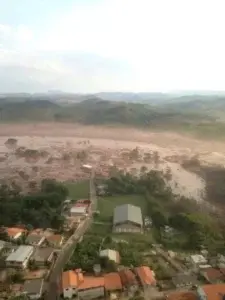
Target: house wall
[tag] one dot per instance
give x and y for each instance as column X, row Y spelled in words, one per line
column 201, row 294
column 69, row 292
column 127, row 227
column 91, row 293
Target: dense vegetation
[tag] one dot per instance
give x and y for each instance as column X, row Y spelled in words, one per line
column 41, row 209
column 97, row 111
column 192, row 227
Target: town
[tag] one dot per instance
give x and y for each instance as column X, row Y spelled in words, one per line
column 107, row 248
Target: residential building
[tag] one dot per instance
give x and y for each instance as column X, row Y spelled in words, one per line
column 15, row 233
column 212, row 275
column 127, row 218
column 55, row 240
column 211, row 292
column 78, row 211
column 91, row 287
column 43, row 256
column 111, row 255
column 128, row 279
column 35, row 239
column 184, row 280
column 85, row 287
column 33, row 288
column 146, row 276
column 20, row 258
column 69, row 284
column 112, row 282
column 198, row 260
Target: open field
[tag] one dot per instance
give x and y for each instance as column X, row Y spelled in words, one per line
column 78, row 190
column 106, row 205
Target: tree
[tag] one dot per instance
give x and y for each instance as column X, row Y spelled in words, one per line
column 11, row 143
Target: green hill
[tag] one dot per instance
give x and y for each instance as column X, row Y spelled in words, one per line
column 100, row 112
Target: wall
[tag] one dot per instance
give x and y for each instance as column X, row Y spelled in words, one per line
column 127, row 227
column 91, row 293
column 70, row 292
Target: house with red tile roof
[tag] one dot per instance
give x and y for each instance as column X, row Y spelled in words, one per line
column 15, row 233
column 146, row 276
column 128, row 278
column 85, row 287
column 55, row 240
column 211, row 292
column 212, row 275
column 112, row 282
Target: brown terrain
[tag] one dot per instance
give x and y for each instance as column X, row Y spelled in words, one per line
column 58, row 150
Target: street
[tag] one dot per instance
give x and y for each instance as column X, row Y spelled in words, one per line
column 65, row 254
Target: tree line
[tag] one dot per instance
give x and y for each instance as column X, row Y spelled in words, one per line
column 41, row 209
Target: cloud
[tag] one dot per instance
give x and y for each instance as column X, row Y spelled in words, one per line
column 139, row 45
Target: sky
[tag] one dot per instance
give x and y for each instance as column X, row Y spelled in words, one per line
column 111, row 45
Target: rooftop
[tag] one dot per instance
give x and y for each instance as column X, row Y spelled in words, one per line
column 184, row 279
column 111, row 254
column 214, row 291
column 91, row 282
column 20, row 254
column 127, row 277
column 69, row 278
column 55, row 238
column 34, row 238
column 34, row 286
column 127, row 212
column 213, row 274
column 198, row 259
column 145, row 275
column 79, row 209
column 13, row 231
column 182, row 296
column 112, row 281
column 42, row 254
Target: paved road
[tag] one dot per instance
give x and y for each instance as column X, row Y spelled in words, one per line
column 65, row 254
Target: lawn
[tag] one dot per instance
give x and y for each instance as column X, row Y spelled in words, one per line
column 106, row 205
column 78, row 190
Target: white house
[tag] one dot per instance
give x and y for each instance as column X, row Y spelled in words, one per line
column 111, row 255
column 20, row 257
column 198, row 260
column 78, row 211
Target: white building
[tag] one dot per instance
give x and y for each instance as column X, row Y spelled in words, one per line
column 78, row 211
column 198, row 260
column 20, row 258
column 111, row 255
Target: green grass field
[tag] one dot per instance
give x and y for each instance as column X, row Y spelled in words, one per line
column 106, row 205
column 78, row 190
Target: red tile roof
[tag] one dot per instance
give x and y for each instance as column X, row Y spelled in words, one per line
column 13, row 231
column 112, row 282
column 182, row 296
column 145, row 275
column 69, row 279
column 91, row 282
column 127, row 277
column 212, row 274
column 214, row 291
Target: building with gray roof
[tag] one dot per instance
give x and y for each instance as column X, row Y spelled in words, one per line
column 33, row 288
column 20, row 257
column 35, row 239
column 127, row 218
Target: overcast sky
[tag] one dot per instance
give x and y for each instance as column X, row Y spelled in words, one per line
column 112, row 45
